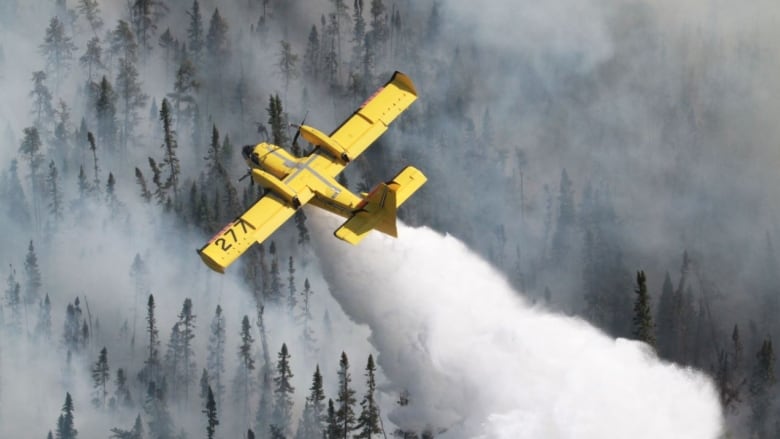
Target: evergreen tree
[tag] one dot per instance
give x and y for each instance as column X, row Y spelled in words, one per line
column 368, row 421
column 168, row 43
column 92, row 59
column 760, row 385
column 137, row 432
column 55, row 193
column 13, row 301
column 195, row 32
column 644, row 329
column 122, row 396
column 292, row 300
column 215, row 361
column 123, row 43
column 243, row 381
column 131, row 98
column 31, row 150
column 333, row 427
column 151, row 370
column 43, row 326
column 145, row 14
column 58, row 49
column 42, row 108
column 71, row 336
column 211, row 414
column 32, row 284
column 312, row 58
column 170, row 161
column 345, row 413
column 187, row 329
column 287, row 62
column 309, row 342
column 274, row 294
column 561, row 240
column 100, row 378
column 105, row 109
column 217, row 44
column 90, row 9
column 184, row 86
column 313, row 418
column 283, row 403
column 300, row 224
column 277, row 121
column 65, row 424
column 158, row 417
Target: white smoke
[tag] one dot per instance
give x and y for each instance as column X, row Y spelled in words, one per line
column 478, row 361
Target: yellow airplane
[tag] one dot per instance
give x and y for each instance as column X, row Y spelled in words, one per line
column 292, row 182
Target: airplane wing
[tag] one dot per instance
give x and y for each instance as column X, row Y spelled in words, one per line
column 254, row 225
column 366, row 124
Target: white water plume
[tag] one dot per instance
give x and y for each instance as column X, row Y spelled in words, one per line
column 478, row 361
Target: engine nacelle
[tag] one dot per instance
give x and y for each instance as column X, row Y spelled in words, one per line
column 277, row 186
column 318, row 138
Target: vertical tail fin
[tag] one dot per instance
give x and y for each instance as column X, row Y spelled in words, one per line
column 379, row 207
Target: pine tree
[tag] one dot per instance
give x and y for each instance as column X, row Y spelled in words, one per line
column 195, row 32
column 32, row 284
column 217, row 44
column 760, row 385
column 345, row 414
column 151, row 370
column 100, row 378
column 58, row 49
column 274, row 293
column 158, row 417
column 42, row 108
column 215, row 361
column 333, row 427
column 55, row 193
column 90, row 9
column 309, row 342
column 292, row 300
column 122, row 396
column 187, row 330
column 31, row 150
column 170, row 161
column 184, row 86
column 131, row 98
column 43, row 326
column 13, row 301
column 300, row 223
column 644, row 328
column 312, row 59
column 243, row 381
column 137, row 432
column 65, row 423
column 368, row 421
column 287, row 62
column 313, row 418
column 211, row 414
column 144, row 15
column 123, row 43
column 277, row 121
column 105, row 109
column 92, row 59
column 283, row 403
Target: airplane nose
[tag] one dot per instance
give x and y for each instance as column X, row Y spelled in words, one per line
column 246, row 151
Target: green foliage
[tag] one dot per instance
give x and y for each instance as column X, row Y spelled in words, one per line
column 644, row 328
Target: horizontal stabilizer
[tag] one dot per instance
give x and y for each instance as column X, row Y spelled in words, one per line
column 378, row 209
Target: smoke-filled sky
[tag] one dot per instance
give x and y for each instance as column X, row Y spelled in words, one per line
column 669, row 107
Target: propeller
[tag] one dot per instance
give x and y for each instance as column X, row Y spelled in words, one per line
column 295, row 147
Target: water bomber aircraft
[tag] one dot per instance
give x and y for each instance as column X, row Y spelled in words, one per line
column 291, row 182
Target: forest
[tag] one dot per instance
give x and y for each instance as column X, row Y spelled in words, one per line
column 615, row 161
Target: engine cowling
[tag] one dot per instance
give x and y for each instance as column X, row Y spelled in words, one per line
column 318, row 138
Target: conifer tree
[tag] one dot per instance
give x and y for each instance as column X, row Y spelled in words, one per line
column 277, row 121
column 105, row 109
column 43, row 326
column 368, row 421
column 561, row 240
column 313, row 418
column 283, row 403
column 215, row 361
column 32, row 284
column 123, row 43
column 211, row 414
column 55, row 193
column 13, row 301
column 292, row 300
column 137, row 432
column 246, row 364
column 309, row 341
column 31, row 150
column 345, row 413
column 83, row 184
column 169, row 145
column 15, row 203
column 100, row 378
column 274, row 293
column 42, row 107
column 644, row 328
column 90, row 9
column 760, row 385
column 65, row 424
column 195, row 32
column 92, row 59
column 144, row 15
column 287, row 62
column 300, row 224
column 185, row 84
column 131, row 98
column 122, row 396
column 158, row 416
column 333, row 428
column 312, row 58
column 58, row 49
column 217, row 44
column 151, row 370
